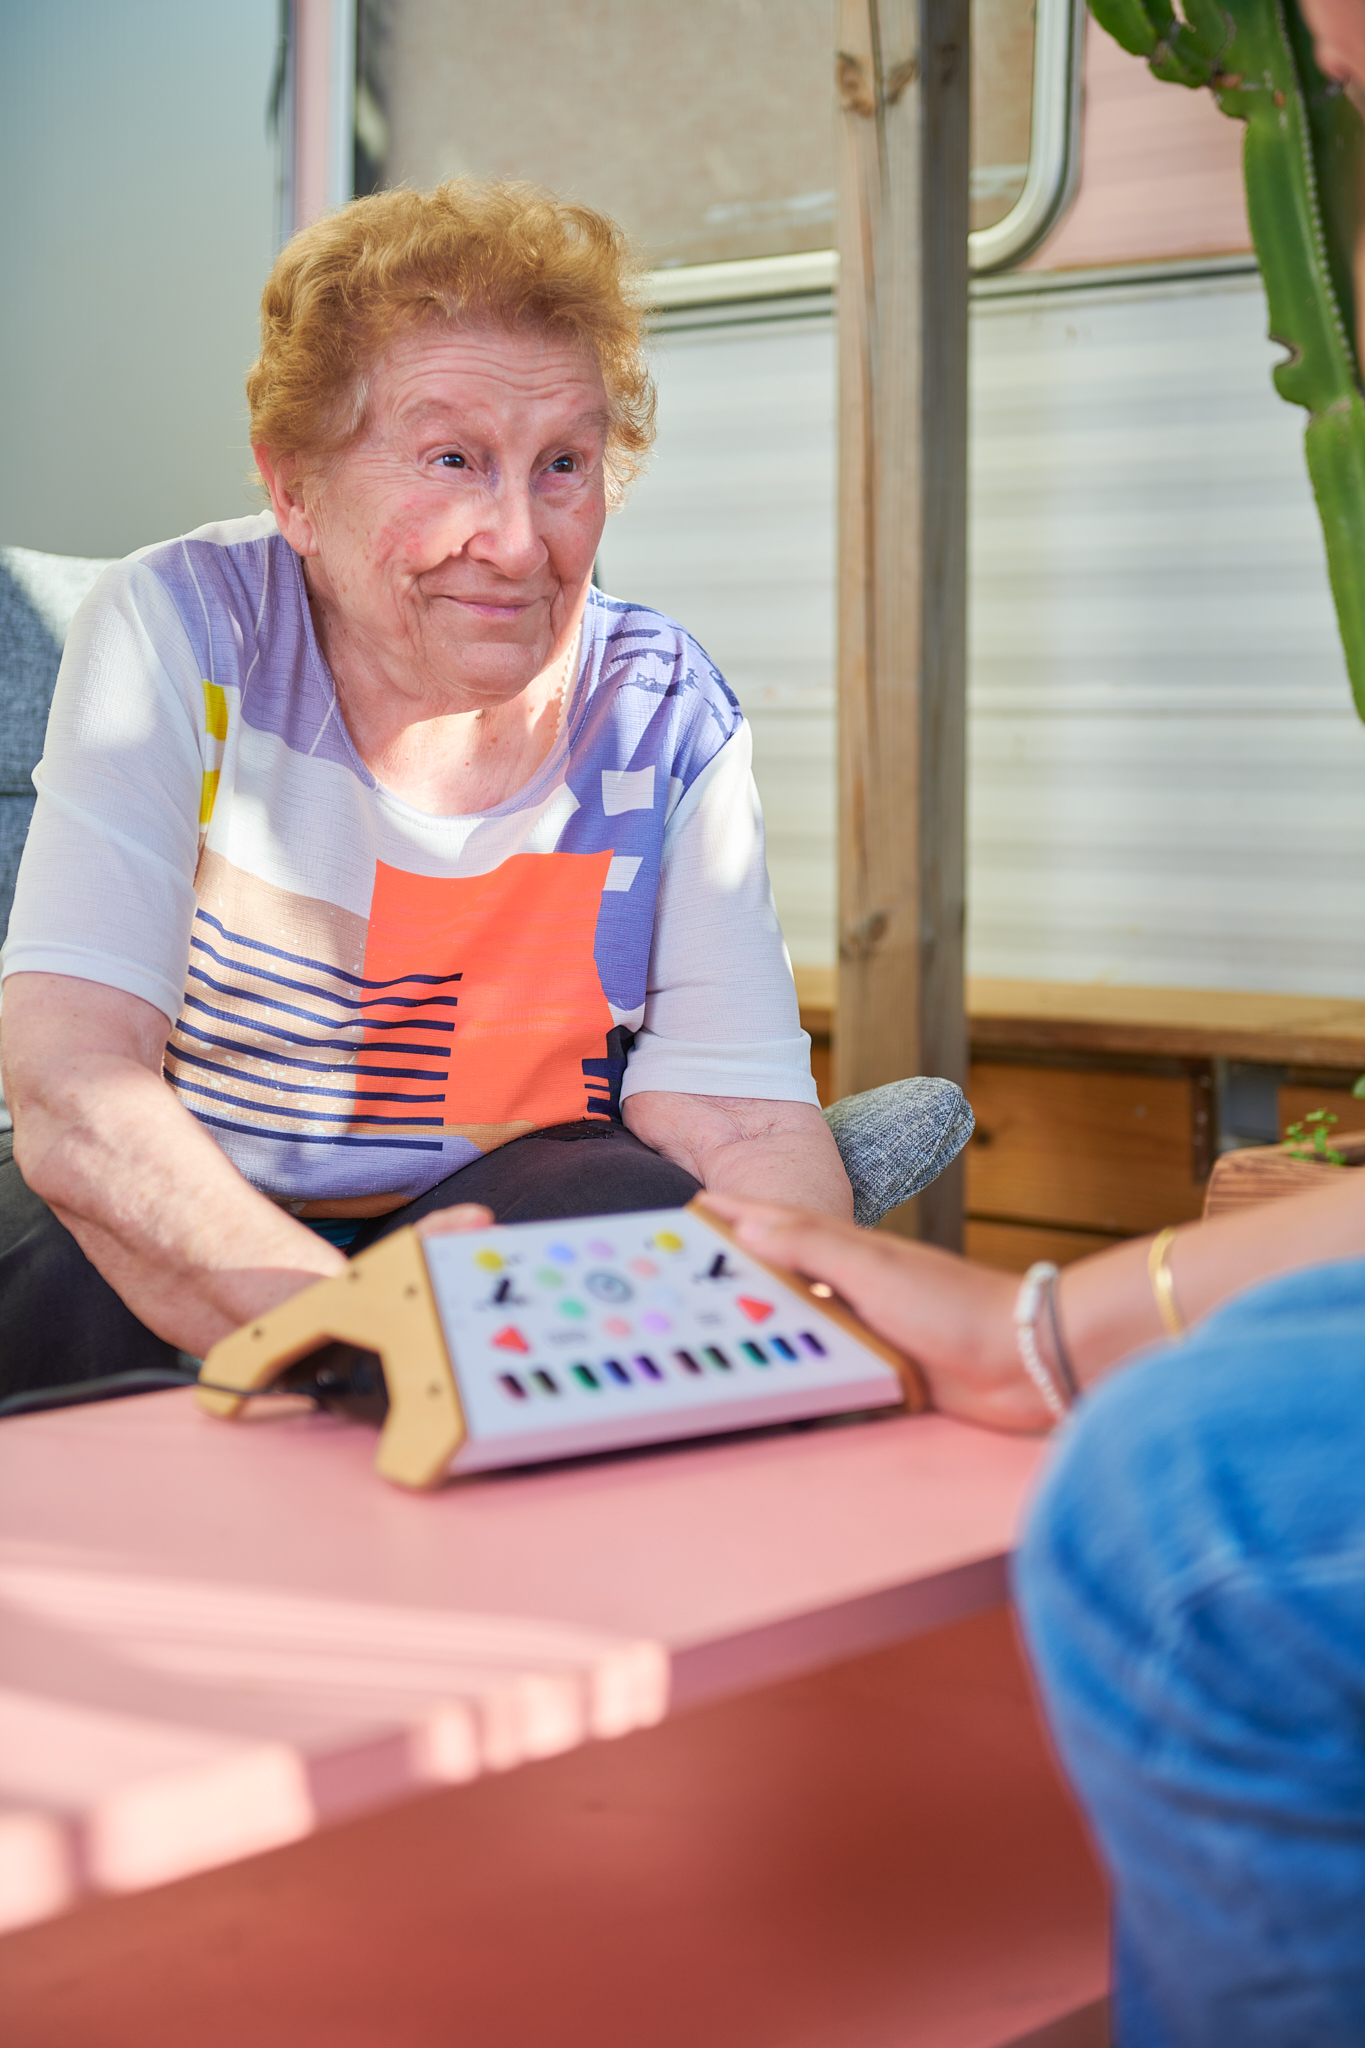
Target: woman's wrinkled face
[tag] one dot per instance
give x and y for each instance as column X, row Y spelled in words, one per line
column 455, row 540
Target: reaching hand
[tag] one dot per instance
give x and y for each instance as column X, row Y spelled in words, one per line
column 460, row 1216
column 954, row 1319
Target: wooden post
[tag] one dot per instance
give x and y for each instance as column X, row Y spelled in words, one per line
column 902, row 76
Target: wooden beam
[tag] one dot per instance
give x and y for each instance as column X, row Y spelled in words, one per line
column 1179, row 1023
column 1152, row 1023
column 902, row 77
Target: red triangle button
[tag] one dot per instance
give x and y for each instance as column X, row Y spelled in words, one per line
column 511, row 1340
column 756, row 1311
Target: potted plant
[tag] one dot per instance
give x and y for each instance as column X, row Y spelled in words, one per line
column 1262, row 1173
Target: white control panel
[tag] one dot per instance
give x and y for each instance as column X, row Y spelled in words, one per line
column 608, row 1331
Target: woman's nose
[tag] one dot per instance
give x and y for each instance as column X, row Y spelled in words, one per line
column 508, row 537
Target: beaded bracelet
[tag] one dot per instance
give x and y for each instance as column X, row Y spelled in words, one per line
column 1066, row 1371
column 1059, row 1391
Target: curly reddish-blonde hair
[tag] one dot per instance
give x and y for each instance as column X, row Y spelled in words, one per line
column 509, row 253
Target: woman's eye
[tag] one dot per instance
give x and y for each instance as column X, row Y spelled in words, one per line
column 564, row 465
column 452, row 462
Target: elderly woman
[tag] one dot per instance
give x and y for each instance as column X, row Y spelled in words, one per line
column 380, row 862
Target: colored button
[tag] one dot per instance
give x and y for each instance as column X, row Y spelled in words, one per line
column 562, row 1254
column 548, row 1277
column 646, row 1268
column 616, row 1326
column 598, row 1248
column 653, row 1320
column 571, row 1308
column 491, row 1262
column 666, row 1241
column 511, row 1339
column 608, row 1287
column 756, row 1311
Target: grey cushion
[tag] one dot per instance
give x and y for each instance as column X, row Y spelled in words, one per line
column 895, row 1140
column 38, row 597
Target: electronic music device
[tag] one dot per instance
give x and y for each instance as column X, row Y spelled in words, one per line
column 524, row 1342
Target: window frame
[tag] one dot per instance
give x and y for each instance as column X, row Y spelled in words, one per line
column 1049, row 188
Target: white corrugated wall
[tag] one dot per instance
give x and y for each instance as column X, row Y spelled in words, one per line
column 1166, row 780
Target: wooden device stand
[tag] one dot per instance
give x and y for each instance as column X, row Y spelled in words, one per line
column 385, row 1303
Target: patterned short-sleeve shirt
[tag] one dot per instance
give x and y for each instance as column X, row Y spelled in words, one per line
column 364, row 997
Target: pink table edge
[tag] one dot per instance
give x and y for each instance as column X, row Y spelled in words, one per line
column 219, row 1639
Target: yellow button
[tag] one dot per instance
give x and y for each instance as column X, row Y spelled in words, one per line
column 665, row 1241
column 490, row 1261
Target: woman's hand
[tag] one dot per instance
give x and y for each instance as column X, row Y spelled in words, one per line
column 459, row 1216
column 754, row 1150
column 955, row 1320
column 152, row 1201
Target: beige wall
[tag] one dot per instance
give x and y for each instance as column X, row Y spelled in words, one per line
column 137, row 231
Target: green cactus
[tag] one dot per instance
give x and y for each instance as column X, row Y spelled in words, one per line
column 1302, row 162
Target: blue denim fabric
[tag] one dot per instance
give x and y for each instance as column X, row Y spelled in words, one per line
column 1192, row 1587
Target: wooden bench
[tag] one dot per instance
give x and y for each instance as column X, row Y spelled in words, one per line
column 1098, row 1107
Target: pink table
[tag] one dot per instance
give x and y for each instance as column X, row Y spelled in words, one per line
column 219, row 1639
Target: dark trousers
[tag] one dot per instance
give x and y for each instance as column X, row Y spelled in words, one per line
column 60, row 1322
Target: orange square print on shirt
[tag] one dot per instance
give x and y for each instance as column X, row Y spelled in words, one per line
column 495, row 974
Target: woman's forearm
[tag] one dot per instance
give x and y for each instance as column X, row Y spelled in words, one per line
column 157, row 1208
column 1107, row 1303
column 177, row 1232
column 752, row 1150
column 956, row 1319
column 760, row 1169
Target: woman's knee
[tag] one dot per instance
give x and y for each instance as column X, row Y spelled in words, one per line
column 585, row 1169
column 582, row 1170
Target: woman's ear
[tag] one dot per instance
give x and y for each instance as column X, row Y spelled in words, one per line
column 284, row 481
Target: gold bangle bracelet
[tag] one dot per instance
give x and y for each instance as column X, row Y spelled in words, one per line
column 1163, row 1284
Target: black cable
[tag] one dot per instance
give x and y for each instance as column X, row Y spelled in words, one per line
column 336, row 1376
column 148, row 1379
